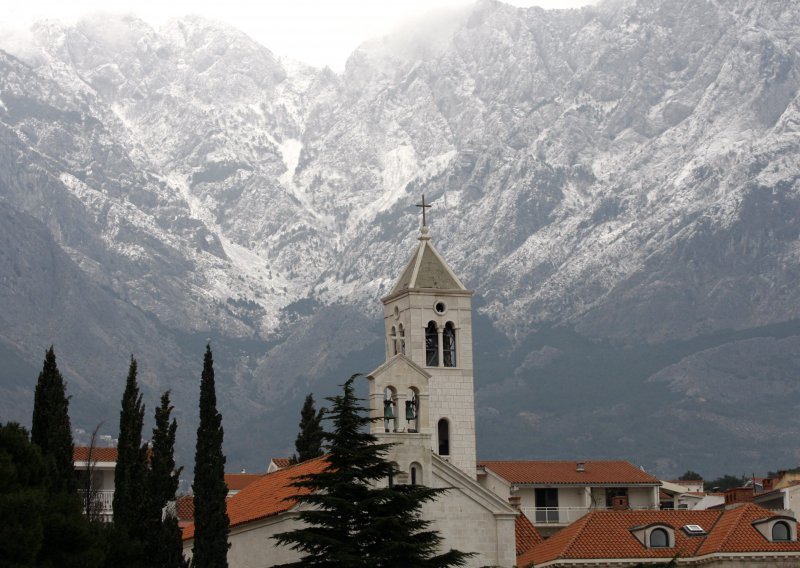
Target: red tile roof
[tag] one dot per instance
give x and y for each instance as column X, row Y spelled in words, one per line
column 282, row 462
column 81, row 453
column 607, row 535
column 184, row 508
column 269, row 495
column 238, row 481
column 526, row 534
column 565, row 472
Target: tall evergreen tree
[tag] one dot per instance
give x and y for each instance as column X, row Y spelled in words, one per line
column 163, row 535
column 211, row 521
column 129, row 474
column 309, row 441
column 67, row 538
column 50, row 429
column 356, row 519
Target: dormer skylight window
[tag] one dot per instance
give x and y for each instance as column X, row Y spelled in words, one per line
column 694, row 530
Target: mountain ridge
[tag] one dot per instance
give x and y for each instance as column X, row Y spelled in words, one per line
column 617, row 178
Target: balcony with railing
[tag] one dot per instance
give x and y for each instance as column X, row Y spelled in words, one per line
column 561, row 515
column 100, row 505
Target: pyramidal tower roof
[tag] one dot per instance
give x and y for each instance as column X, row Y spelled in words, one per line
column 427, row 269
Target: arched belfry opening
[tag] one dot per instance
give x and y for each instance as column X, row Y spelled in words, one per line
column 389, row 409
column 393, row 340
column 412, row 410
column 431, row 345
column 401, row 340
column 449, row 344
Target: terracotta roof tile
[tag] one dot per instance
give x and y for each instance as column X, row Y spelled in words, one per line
column 81, row 453
column 607, row 535
column 565, row 472
column 267, row 496
column 526, row 534
column 282, row 462
column 184, row 508
column 238, row 481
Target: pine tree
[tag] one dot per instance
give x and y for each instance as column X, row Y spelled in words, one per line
column 164, row 546
column 354, row 519
column 211, row 522
column 309, row 441
column 51, row 429
column 130, row 471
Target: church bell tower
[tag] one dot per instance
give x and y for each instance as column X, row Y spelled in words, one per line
column 425, row 390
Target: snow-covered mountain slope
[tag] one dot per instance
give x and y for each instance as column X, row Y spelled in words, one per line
column 618, row 183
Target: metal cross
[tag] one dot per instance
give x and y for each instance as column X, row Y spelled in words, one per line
column 424, row 207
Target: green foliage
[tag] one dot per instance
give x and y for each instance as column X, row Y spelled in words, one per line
column 355, row 519
column 309, row 441
column 129, row 474
column 211, row 522
column 22, row 497
column 163, row 537
column 42, row 526
column 725, row 482
column 51, row 429
column 690, row 475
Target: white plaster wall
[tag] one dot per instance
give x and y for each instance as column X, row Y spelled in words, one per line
column 640, row 497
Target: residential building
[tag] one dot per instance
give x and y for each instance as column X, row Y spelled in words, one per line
column 94, row 470
column 554, row 494
column 745, row 536
column 785, row 499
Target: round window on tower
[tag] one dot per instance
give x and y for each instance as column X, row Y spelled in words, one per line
column 439, row 308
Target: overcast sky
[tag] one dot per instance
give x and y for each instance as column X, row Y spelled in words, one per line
column 319, row 32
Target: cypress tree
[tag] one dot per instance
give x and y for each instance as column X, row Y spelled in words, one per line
column 50, row 429
column 356, row 519
column 67, row 538
column 211, row 522
column 164, row 546
column 309, row 441
column 129, row 474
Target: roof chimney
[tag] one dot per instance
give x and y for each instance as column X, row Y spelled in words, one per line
column 581, row 467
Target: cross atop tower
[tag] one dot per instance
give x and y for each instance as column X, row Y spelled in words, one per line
column 424, row 207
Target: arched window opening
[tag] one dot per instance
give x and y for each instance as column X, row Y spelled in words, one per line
column 443, row 430
column 781, row 532
column 659, row 538
column 416, row 474
column 449, row 345
column 431, row 345
column 401, row 337
column 389, row 413
column 391, row 475
column 412, row 409
column 393, row 340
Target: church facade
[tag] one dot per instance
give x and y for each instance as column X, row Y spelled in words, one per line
column 422, row 400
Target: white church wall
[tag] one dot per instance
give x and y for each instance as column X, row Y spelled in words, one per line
column 470, row 527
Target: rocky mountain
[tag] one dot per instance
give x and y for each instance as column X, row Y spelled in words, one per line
column 618, row 183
